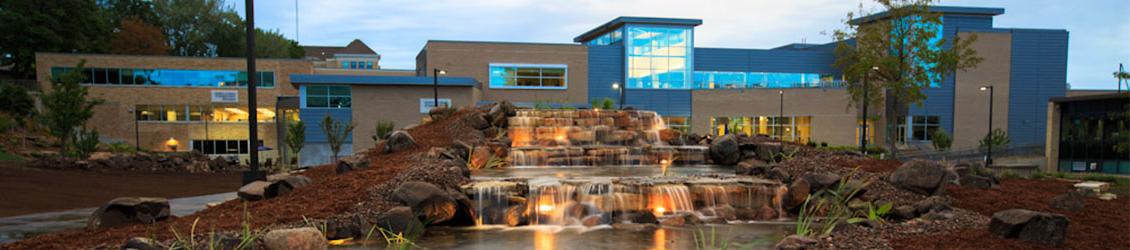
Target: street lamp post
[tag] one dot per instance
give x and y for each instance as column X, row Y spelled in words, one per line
column 989, row 136
column 435, row 85
column 781, row 117
column 253, row 173
column 616, row 86
column 863, row 131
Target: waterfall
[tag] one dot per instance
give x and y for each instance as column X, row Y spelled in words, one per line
column 594, row 137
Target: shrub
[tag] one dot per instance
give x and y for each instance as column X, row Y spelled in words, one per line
column 120, row 147
column 823, row 144
column 15, row 101
column 336, row 133
column 608, row 103
column 85, row 142
column 942, row 141
column 6, row 123
column 997, row 138
column 384, row 128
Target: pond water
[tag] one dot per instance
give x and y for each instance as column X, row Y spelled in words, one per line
column 20, row 227
column 759, row 235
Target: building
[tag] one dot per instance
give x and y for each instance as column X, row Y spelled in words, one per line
column 1089, row 133
column 792, row 91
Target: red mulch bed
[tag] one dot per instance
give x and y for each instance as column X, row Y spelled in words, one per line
column 330, row 194
column 1099, row 225
column 869, row 164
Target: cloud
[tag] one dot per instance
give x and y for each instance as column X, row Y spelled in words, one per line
column 399, row 28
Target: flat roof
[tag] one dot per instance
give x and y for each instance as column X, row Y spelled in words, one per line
column 1110, row 96
column 620, row 21
column 944, row 10
column 372, row 80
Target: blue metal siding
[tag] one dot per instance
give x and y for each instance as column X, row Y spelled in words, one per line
column 312, row 117
column 666, row 102
column 1039, row 72
column 606, row 65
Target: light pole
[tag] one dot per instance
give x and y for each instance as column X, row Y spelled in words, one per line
column 781, row 117
column 863, row 131
column 616, row 86
column 253, row 173
column 435, row 85
column 989, row 136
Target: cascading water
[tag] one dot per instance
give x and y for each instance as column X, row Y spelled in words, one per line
column 594, row 137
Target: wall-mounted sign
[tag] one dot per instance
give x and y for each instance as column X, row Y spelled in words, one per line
column 225, row 96
column 426, row 104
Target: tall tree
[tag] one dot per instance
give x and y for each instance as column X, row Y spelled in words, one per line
column 30, row 26
column 910, row 52
column 136, row 37
column 118, row 10
column 67, row 106
column 190, row 24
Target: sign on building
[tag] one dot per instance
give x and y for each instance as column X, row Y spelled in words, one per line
column 427, row 104
column 225, row 96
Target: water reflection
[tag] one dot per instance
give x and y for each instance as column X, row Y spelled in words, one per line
column 743, row 236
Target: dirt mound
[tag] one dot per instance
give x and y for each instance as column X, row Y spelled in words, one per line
column 329, row 195
column 1099, row 225
column 812, row 161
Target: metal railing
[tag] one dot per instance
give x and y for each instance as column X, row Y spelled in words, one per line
column 975, row 153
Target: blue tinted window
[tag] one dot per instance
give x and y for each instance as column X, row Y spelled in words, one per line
column 328, row 96
column 723, row 80
column 659, row 57
column 612, row 37
column 170, row 77
column 528, row 76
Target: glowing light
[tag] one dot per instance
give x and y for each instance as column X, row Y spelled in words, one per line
column 341, row 242
column 660, row 210
column 545, row 208
column 664, row 162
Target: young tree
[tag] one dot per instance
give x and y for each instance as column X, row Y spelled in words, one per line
column 295, row 137
column 907, row 48
column 66, row 106
column 336, row 133
column 30, row 26
column 135, row 37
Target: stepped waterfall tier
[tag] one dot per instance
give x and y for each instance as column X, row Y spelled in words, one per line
column 594, row 137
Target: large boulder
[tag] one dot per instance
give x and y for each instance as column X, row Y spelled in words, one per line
column 256, row 190
column 725, row 151
column 932, row 204
column 349, row 227
column 142, row 243
column 977, row 181
column 399, row 140
column 1071, row 201
column 797, row 194
column 1030, row 226
column 305, row 238
column 499, row 112
column 428, row 202
column 821, row 181
column 129, row 210
column 922, row 177
column 752, row 167
column 401, row 220
column 282, row 185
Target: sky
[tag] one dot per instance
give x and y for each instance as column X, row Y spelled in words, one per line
column 1099, row 30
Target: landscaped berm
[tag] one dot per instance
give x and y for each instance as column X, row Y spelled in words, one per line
column 499, row 177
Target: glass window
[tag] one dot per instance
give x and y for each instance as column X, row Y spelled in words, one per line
column 658, row 57
column 528, row 76
column 722, row 79
column 328, row 96
column 921, row 128
column 608, row 38
column 792, row 128
column 171, row 77
column 222, row 147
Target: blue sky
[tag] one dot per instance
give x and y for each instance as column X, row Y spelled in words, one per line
column 397, row 29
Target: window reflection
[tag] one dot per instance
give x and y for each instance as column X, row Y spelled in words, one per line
column 789, row 128
column 528, row 76
column 728, row 80
column 168, row 77
column 199, row 113
column 658, row 57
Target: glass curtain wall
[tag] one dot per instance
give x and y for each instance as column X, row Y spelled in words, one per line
column 168, row 77
column 789, row 128
column 1094, row 136
column 659, row 57
column 732, row 80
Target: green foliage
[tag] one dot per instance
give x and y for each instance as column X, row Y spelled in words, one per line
column 295, row 136
column 15, row 101
column 903, row 47
column 31, row 26
column 321, row 226
column 211, row 28
column 67, row 106
column 831, row 203
column 942, row 140
column 6, row 123
column 607, row 103
column 85, row 142
column 873, row 213
column 336, row 133
column 823, row 144
column 711, row 241
column 492, row 161
column 120, row 147
column 542, row 106
column 384, row 128
column 396, row 240
column 998, row 138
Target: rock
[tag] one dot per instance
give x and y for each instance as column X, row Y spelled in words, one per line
column 401, row 220
column 593, row 220
column 643, row 217
column 795, row 242
column 932, row 203
column 284, row 185
column 922, row 177
column 1031, row 226
column 691, row 219
column 427, row 201
column 254, row 191
column 752, row 167
column 976, row 181
column 769, row 151
column 822, row 181
column 1107, row 196
column 674, row 221
column 127, row 211
column 635, row 227
column 343, row 166
column 726, row 212
column 100, row 156
column 218, row 163
column 904, row 212
column 351, row 227
column 766, row 213
column 938, row 215
column 477, row 121
column 480, row 157
column 778, row 174
column 499, row 112
column 295, row 238
column 798, row 192
column 856, row 187
column 399, row 140
column 1071, row 201
column 142, row 243
column 671, row 136
column 725, row 151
